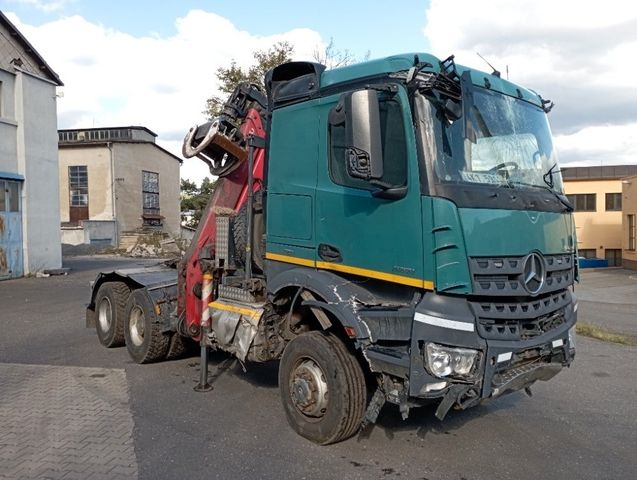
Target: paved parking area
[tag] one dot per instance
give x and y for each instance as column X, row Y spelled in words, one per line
column 608, row 285
column 582, row 424
column 65, row 422
column 608, row 297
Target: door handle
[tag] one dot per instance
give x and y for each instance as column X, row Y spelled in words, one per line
column 329, row 253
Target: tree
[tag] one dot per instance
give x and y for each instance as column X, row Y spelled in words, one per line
column 331, row 57
column 233, row 75
column 194, row 199
column 187, row 190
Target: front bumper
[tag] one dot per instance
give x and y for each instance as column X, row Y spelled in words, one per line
column 506, row 364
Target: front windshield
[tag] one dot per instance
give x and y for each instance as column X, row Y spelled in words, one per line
column 506, row 142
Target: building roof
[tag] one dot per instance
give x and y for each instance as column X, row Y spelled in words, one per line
column 39, row 67
column 92, row 137
column 606, row 172
column 97, row 129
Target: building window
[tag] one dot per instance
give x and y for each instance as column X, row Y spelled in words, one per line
column 150, row 193
column 587, row 252
column 9, row 197
column 78, row 186
column 583, row 202
column 14, row 196
column 613, row 202
column 632, row 237
column 78, row 194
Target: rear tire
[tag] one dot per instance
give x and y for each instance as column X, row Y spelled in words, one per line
column 322, row 388
column 110, row 306
column 145, row 341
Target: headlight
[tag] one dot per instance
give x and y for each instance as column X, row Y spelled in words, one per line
column 446, row 361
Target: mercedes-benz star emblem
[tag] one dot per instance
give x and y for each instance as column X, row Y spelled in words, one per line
column 533, row 273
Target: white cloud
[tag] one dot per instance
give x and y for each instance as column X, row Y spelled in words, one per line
column 601, row 144
column 112, row 78
column 579, row 53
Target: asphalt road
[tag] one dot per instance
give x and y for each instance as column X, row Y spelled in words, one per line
column 608, row 298
column 581, row 425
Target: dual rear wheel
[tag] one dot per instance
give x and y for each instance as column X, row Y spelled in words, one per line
column 125, row 316
column 321, row 381
column 145, row 340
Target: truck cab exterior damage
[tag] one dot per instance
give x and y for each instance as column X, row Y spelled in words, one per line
column 459, row 289
column 413, row 243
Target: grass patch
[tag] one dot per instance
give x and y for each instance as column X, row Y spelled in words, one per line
column 600, row 333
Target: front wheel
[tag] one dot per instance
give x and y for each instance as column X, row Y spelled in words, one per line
column 145, row 341
column 322, row 388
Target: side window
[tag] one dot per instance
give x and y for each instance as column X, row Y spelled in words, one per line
column 394, row 149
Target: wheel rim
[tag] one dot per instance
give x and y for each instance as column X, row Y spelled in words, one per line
column 105, row 314
column 136, row 326
column 308, row 388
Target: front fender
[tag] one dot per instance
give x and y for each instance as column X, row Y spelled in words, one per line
column 338, row 295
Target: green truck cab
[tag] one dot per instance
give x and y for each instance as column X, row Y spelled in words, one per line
column 392, row 231
column 421, row 204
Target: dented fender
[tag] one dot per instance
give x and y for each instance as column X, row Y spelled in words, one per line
column 336, row 295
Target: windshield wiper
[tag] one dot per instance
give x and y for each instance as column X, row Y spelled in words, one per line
column 568, row 207
column 548, row 179
column 548, row 176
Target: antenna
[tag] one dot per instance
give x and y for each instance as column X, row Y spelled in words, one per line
column 495, row 72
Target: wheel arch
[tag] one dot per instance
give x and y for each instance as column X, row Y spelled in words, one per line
column 331, row 294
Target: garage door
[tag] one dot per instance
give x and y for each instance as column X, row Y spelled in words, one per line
column 10, row 230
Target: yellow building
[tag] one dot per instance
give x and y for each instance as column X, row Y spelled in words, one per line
column 596, row 194
column 629, row 221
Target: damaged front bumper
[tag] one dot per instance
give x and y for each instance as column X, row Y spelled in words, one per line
column 504, row 364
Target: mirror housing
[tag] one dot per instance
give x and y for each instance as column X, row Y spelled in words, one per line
column 364, row 152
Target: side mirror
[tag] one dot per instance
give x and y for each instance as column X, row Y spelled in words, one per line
column 363, row 146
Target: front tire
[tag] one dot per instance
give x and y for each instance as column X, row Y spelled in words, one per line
column 145, row 341
column 110, row 306
column 322, row 388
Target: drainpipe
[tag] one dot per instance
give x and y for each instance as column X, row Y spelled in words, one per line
column 22, row 168
column 113, row 195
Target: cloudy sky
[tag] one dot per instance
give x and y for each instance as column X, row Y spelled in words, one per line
column 152, row 63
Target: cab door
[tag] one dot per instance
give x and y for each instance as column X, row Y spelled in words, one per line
column 356, row 232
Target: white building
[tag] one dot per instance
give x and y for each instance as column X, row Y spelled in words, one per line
column 116, row 183
column 29, row 191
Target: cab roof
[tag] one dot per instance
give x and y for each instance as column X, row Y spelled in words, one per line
column 405, row 61
column 293, row 82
